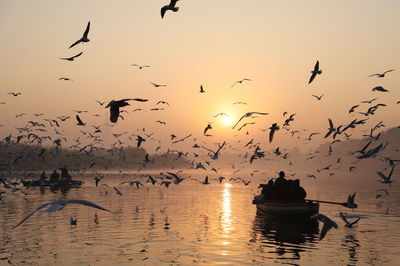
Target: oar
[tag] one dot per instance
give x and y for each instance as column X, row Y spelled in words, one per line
column 345, row 204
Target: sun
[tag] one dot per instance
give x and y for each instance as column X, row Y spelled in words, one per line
column 227, row 120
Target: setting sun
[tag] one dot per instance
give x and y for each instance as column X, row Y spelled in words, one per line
column 227, row 120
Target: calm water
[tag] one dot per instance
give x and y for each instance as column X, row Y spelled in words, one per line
column 192, row 223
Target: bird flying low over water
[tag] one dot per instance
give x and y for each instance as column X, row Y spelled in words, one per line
column 115, row 105
column 58, row 205
column 171, row 7
column 348, row 224
column 381, row 75
column 315, row 72
column 72, row 58
column 386, row 179
column 328, row 224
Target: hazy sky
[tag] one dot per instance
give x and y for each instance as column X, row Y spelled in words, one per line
column 213, row 43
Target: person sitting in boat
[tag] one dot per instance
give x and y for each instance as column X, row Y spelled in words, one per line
column 280, row 187
column 64, row 174
column 43, row 176
column 300, row 192
column 54, row 177
column 268, row 190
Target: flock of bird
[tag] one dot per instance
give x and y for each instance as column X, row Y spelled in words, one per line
column 37, row 134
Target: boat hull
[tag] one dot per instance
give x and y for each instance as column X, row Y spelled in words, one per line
column 306, row 208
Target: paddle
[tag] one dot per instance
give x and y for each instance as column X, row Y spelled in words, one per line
column 345, row 204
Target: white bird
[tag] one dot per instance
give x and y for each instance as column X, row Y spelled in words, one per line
column 58, row 205
column 84, row 38
column 315, row 72
column 328, row 224
column 248, row 115
column 348, row 224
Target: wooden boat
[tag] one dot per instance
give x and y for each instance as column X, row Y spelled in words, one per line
column 305, row 208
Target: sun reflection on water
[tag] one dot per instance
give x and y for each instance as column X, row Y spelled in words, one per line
column 226, row 220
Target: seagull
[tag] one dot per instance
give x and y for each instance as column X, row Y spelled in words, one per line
column 352, row 108
column 318, row 97
column 328, row 224
column 71, row 58
column 273, row 128
column 140, row 67
column 370, row 101
column 240, row 81
column 84, row 38
column 202, row 89
column 315, row 72
column 80, row 123
column 58, row 205
column 223, row 114
column 118, row 191
column 381, row 75
column 171, row 7
column 386, row 179
column 65, row 78
column 115, row 105
column 350, row 202
column 15, row 94
column 248, row 115
column 207, row 128
column 157, row 85
column 380, row 88
column 349, row 225
column 330, row 129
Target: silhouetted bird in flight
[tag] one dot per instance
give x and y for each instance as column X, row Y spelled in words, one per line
column 72, row 58
column 273, row 128
column 84, row 38
column 202, row 89
column 315, row 72
column 157, row 85
column 65, row 78
column 240, row 81
column 171, row 7
column 248, row 115
column 15, row 94
column 380, row 88
column 139, row 66
column 381, row 75
column 318, row 97
column 115, row 105
column 80, row 123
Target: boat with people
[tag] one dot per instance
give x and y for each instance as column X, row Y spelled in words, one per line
column 284, row 197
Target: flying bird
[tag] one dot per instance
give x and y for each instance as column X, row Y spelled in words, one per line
column 381, row 75
column 380, row 88
column 72, row 58
column 248, row 115
column 58, row 205
column 80, row 123
column 318, row 97
column 273, row 128
column 65, row 78
column 84, row 38
column 353, row 108
column 157, row 85
column 315, row 72
column 240, row 81
column 202, row 89
column 331, row 128
column 386, row 179
column 15, row 94
column 115, row 105
column 139, row 66
column 328, row 224
column 171, row 7
column 207, row 128
column 348, row 224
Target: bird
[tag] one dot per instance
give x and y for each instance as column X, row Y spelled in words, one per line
column 171, row 7
column 380, row 88
column 273, row 128
column 80, row 123
column 369, row 101
column 239, row 81
column 248, row 115
column 72, row 58
column 207, row 128
column 118, row 191
column 348, row 224
column 58, row 205
column 386, row 179
column 315, row 72
column 157, row 85
column 15, row 94
column 139, row 66
column 202, row 89
column 115, row 105
column 328, row 224
column 350, row 201
column 73, row 221
column 84, row 38
column 65, row 78
column 381, row 75
column 353, row 108
column 331, row 128
column 318, row 97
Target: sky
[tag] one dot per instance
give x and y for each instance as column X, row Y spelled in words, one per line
column 209, row 43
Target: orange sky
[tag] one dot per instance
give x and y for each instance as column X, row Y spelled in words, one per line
column 213, row 43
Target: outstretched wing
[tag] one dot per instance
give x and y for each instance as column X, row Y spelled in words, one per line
column 316, row 67
column 29, row 215
column 85, row 34
column 75, row 43
column 381, row 175
column 163, row 10
column 86, row 203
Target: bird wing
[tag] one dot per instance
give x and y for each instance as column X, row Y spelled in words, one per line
column 316, row 67
column 343, row 218
column 55, row 206
column 239, row 121
column 271, row 134
column 85, row 34
column 75, row 43
column 373, row 75
column 324, row 230
column 314, row 74
column 356, row 221
column 79, row 119
column 330, row 123
column 163, row 10
column 75, row 56
column 388, row 71
column 136, row 99
column 381, row 175
column 86, row 203
column 29, row 215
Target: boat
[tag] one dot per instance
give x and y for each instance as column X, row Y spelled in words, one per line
column 304, row 208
